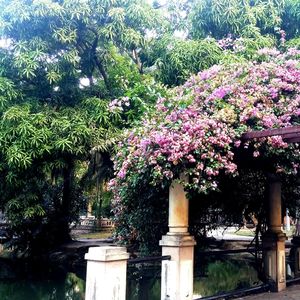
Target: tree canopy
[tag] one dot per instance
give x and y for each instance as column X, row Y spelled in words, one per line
column 75, row 76
column 67, row 71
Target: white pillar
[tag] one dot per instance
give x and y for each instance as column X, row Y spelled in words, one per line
column 106, row 273
column 178, row 273
column 287, row 224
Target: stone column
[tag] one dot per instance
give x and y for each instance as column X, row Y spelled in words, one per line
column 178, row 273
column 178, row 209
column 274, row 239
column 106, row 273
column 89, row 210
column 287, row 225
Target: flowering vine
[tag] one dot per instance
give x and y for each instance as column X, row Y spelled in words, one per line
column 198, row 129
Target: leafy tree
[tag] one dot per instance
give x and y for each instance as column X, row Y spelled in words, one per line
column 66, row 40
column 176, row 58
column 199, row 31
column 247, row 18
column 290, row 18
column 63, row 62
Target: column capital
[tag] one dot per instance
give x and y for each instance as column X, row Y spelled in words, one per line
column 106, row 254
column 177, row 241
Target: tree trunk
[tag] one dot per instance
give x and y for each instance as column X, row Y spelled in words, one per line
column 103, row 73
column 137, row 61
column 67, row 197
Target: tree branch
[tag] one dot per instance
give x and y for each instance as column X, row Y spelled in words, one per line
column 102, row 72
column 137, row 60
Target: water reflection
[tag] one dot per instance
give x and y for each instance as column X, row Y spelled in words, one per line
column 68, row 287
column 212, row 277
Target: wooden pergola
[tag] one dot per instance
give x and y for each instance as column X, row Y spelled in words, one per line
column 177, row 274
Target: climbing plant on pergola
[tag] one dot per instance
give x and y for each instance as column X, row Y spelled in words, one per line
column 204, row 125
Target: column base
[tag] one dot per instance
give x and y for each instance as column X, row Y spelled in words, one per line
column 274, row 259
column 178, row 273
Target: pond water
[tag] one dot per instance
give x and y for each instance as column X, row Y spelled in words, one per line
column 70, row 287
column 143, row 281
column 211, row 277
column 23, row 281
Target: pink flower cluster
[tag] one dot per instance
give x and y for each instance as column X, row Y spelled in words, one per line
column 199, row 128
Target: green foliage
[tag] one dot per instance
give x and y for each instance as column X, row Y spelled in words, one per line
column 37, row 145
column 249, row 18
column 291, row 18
column 176, row 59
column 75, row 74
column 102, row 206
column 71, row 38
column 141, row 218
column 293, row 43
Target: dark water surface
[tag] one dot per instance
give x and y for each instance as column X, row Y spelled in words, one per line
column 211, row 277
column 18, row 282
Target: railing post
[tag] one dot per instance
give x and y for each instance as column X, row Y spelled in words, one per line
column 106, row 273
column 177, row 273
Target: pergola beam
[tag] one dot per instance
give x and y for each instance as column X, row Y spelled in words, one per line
column 288, row 132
